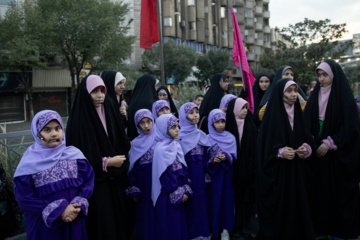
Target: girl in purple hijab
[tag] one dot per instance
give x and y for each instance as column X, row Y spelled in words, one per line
column 225, row 101
column 220, row 192
column 195, row 143
column 53, row 183
column 159, row 108
column 141, row 158
column 170, row 183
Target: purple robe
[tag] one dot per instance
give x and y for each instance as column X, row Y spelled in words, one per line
column 43, row 196
column 196, row 206
column 140, row 186
column 220, row 192
column 169, row 210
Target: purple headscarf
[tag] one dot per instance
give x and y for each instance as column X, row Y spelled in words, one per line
column 225, row 100
column 225, row 140
column 166, row 151
column 190, row 136
column 37, row 157
column 141, row 144
column 159, row 104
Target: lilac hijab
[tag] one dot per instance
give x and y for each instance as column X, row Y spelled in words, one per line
column 225, row 100
column 159, row 104
column 141, row 144
column 93, row 82
column 190, row 136
column 166, row 151
column 239, row 104
column 290, row 108
column 37, row 157
column 324, row 92
column 225, row 140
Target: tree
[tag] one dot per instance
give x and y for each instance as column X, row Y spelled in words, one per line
column 178, row 61
column 211, row 63
column 86, row 31
column 308, row 43
column 20, row 47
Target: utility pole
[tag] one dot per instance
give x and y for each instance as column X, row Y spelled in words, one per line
column 161, row 42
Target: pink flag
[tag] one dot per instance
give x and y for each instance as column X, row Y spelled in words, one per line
column 239, row 52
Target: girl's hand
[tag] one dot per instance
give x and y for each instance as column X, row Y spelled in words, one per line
column 222, row 157
column 216, row 159
column 71, row 212
column 288, row 153
column 301, row 151
column 136, row 198
column 322, row 150
column 185, row 198
column 116, row 161
column 123, row 111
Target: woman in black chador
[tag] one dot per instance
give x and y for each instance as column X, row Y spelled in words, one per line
column 93, row 127
column 239, row 122
column 212, row 99
column 283, row 171
column 144, row 95
column 164, row 94
column 331, row 116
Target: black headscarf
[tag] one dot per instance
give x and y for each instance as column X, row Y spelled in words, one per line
column 173, row 109
column 244, row 166
column 282, row 185
column 258, row 93
column 144, row 95
column 337, row 174
column 109, row 79
column 211, row 100
column 85, row 131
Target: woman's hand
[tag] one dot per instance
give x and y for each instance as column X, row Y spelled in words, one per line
column 301, row 151
column 71, row 212
column 288, row 153
column 322, row 150
column 123, row 111
column 116, row 161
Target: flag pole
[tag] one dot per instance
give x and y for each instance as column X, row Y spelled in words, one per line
column 161, row 42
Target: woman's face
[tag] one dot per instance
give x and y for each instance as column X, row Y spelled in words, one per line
column 163, row 96
column 290, row 94
column 174, row 131
column 193, row 116
column 120, row 87
column 324, row 79
column 225, row 85
column 243, row 112
column 98, row 96
column 52, row 134
column 145, row 125
column 219, row 125
column 164, row 110
column 288, row 74
column 264, row 83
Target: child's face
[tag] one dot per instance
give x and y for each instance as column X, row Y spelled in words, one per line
column 174, row 131
column 198, row 101
column 98, row 96
column 145, row 125
column 164, row 110
column 52, row 134
column 243, row 112
column 324, row 79
column 193, row 116
column 163, row 96
column 264, row 83
column 219, row 125
column 290, row 95
column 120, row 87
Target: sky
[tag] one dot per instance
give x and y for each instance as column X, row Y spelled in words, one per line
column 285, row 12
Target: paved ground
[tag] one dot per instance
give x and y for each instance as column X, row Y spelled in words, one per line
column 18, row 126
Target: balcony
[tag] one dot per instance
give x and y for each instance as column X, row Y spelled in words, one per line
column 251, row 56
column 240, row 18
column 267, row 29
column 260, row 42
column 267, row 44
column 250, row 40
column 192, row 35
column 249, row 4
column 238, row 3
column 249, row 23
column 258, row 11
column 266, row 1
column 223, row 3
column 258, row 27
column 266, row 14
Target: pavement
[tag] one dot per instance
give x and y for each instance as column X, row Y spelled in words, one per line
column 19, row 126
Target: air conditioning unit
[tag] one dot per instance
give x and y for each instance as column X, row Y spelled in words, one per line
column 182, row 24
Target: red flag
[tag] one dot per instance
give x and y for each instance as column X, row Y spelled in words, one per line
column 149, row 24
column 239, row 52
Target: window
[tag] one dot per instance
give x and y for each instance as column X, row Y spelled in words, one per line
column 246, row 32
column 192, row 25
column 255, row 19
column 266, row 37
column 207, row 32
column 206, row 9
column 256, row 35
column 223, row 12
column 191, row 2
column 248, row 13
column 167, row 22
column 225, row 34
column 235, row 10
